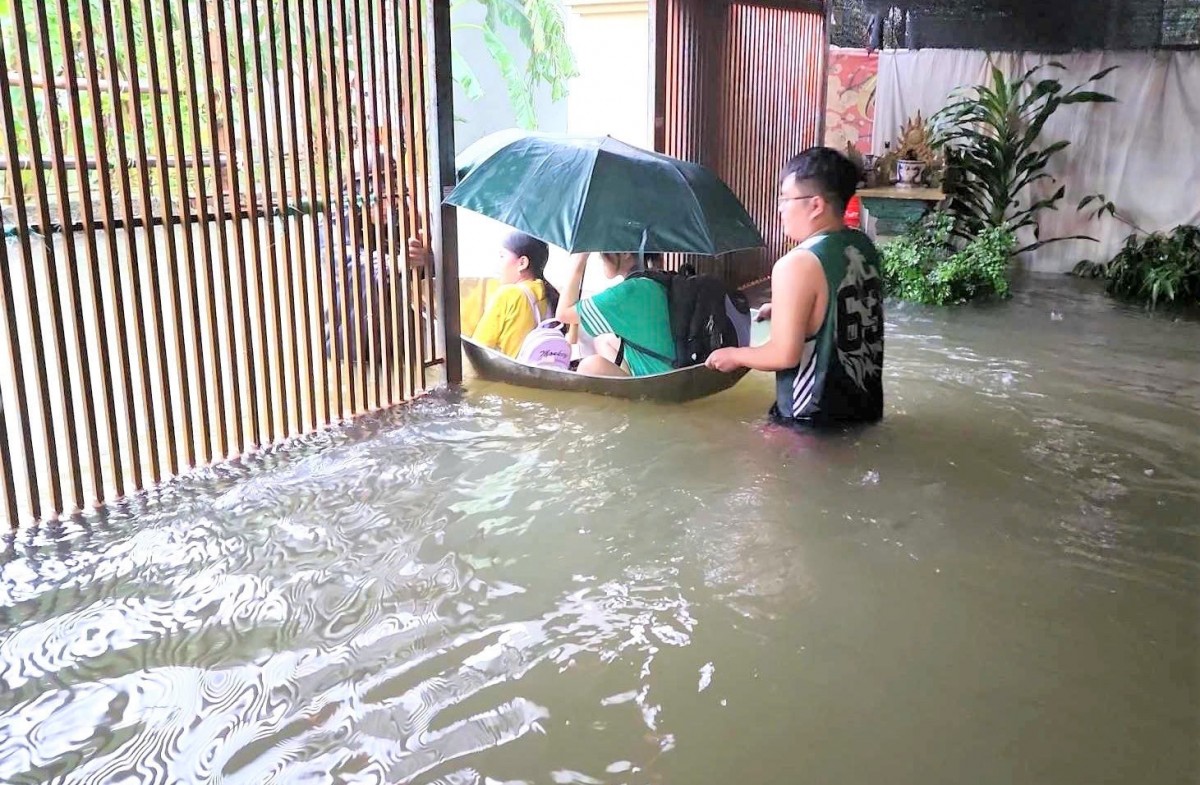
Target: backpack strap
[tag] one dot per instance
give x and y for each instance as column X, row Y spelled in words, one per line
column 537, row 312
column 669, row 361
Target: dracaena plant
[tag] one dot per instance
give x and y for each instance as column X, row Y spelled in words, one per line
column 994, row 133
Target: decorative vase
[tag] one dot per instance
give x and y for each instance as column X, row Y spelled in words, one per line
column 909, row 173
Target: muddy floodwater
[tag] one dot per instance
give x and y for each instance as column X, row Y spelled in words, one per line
column 998, row 584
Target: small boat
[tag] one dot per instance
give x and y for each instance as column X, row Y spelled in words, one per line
column 678, row 386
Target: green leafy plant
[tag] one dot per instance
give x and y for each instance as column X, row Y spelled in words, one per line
column 1160, row 267
column 927, row 265
column 539, row 25
column 994, row 131
column 1100, row 206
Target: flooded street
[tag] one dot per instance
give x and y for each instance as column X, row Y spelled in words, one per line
column 998, row 584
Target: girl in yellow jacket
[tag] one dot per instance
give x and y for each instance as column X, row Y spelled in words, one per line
column 510, row 314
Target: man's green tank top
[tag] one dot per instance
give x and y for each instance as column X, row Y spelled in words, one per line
column 840, row 375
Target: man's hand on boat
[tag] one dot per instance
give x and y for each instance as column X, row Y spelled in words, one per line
column 764, row 313
column 724, row 360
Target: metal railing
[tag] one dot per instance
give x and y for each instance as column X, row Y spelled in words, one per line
column 206, row 210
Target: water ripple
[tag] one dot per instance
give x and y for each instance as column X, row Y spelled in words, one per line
column 433, row 593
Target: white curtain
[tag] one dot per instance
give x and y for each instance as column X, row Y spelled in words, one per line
column 1143, row 152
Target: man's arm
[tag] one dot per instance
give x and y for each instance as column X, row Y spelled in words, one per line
column 796, row 283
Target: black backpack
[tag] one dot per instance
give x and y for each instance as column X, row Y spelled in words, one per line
column 699, row 322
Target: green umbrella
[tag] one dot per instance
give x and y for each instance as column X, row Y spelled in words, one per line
column 485, row 147
column 599, row 194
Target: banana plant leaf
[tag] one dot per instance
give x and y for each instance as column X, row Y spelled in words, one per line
column 600, row 194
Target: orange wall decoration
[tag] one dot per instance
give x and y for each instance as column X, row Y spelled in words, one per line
column 850, row 110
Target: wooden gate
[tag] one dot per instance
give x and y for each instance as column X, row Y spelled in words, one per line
column 740, row 87
column 206, row 206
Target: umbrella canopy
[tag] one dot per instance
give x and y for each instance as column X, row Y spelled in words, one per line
column 600, row 194
column 485, row 147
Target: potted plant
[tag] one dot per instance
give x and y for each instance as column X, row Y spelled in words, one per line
column 910, row 169
column 915, row 160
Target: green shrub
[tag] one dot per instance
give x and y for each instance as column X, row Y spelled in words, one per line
column 1153, row 269
column 926, row 266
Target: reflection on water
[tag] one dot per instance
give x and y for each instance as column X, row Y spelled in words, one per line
column 998, row 584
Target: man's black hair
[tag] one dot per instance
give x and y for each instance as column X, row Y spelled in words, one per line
column 832, row 174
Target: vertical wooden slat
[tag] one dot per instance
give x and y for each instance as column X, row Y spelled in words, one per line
column 223, row 263
column 445, row 221
column 395, row 256
column 361, row 184
column 277, row 411
column 400, row 17
column 421, row 135
column 68, row 277
column 265, row 422
column 317, row 206
column 760, row 110
column 8, row 487
column 342, row 274
column 658, row 65
column 822, row 76
column 333, row 111
column 353, row 313
column 36, row 303
column 108, row 216
column 379, row 360
column 411, row 186
column 417, row 133
column 293, row 60
column 293, row 416
column 41, row 376
column 140, row 302
column 369, row 299
column 206, row 266
column 248, row 355
column 193, row 362
column 13, row 356
column 330, row 259
column 97, row 311
column 173, row 266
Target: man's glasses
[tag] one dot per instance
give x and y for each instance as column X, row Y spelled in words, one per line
column 783, row 199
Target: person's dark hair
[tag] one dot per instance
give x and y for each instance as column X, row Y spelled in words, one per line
column 538, row 253
column 832, row 174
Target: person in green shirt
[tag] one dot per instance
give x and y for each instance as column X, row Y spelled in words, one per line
column 630, row 321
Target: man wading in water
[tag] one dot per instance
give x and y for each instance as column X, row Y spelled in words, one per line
column 826, row 342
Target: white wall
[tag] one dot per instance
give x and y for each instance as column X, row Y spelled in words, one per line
column 611, row 95
column 1141, row 152
column 478, row 237
column 492, row 112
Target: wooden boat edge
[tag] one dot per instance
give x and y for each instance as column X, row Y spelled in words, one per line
column 676, row 386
